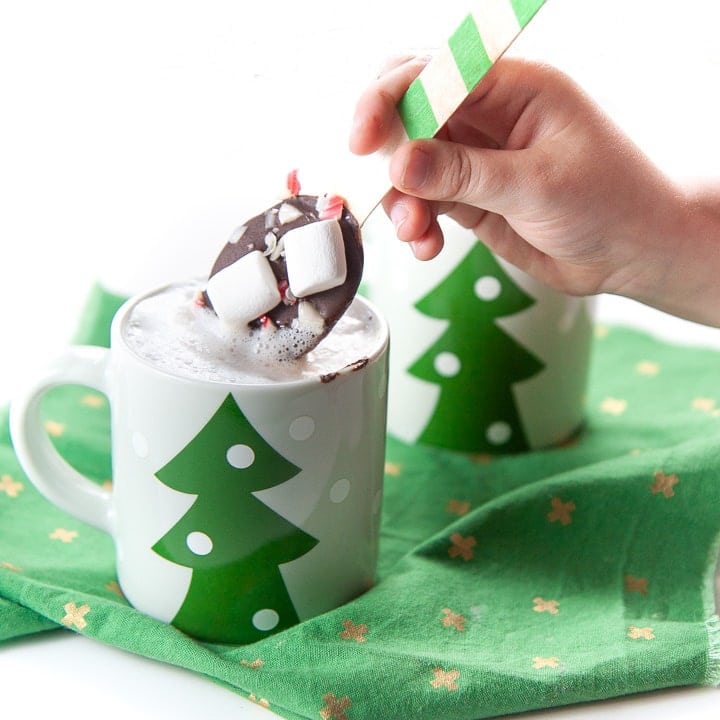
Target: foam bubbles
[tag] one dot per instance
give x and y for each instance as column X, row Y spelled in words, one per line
column 173, row 333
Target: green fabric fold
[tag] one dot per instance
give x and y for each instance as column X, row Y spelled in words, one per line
column 713, row 665
column 505, row 584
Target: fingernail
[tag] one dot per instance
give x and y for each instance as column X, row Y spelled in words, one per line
column 398, row 215
column 417, row 169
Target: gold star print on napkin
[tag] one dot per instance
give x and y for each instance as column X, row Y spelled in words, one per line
column 505, row 584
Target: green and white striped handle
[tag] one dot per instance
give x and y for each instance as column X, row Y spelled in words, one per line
column 480, row 39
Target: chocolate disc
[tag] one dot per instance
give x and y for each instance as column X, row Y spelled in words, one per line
column 265, row 233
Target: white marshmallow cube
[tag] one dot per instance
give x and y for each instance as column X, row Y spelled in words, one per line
column 315, row 257
column 244, row 290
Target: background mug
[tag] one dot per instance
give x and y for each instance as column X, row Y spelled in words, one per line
column 485, row 359
column 237, row 508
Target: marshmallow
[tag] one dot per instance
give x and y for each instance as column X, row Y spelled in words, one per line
column 315, row 257
column 244, row 290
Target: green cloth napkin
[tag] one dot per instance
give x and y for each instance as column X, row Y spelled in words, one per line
column 505, row 584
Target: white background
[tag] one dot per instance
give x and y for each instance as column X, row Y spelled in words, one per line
column 134, row 136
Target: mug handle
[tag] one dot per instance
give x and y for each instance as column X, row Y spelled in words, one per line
column 53, row 476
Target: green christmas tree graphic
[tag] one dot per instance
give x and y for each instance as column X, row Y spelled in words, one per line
column 233, row 542
column 474, row 362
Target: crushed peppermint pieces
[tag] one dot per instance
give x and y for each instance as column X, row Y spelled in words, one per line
column 330, row 207
column 237, row 234
column 293, row 184
column 270, row 218
column 285, row 293
column 274, row 247
column 266, row 322
column 288, row 213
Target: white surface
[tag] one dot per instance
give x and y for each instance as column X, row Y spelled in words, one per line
column 126, row 136
column 69, row 677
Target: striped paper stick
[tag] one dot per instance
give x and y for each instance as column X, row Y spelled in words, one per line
column 480, row 39
column 430, row 100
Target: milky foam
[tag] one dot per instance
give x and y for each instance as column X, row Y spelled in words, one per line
column 169, row 330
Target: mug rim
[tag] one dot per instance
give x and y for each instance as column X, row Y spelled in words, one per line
column 118, row 340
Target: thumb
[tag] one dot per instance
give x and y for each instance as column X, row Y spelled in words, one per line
column 441, row 170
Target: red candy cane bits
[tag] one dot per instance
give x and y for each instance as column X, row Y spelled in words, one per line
column 266, row 322
column 293, row 184
column 287, row 297
column 330, row 207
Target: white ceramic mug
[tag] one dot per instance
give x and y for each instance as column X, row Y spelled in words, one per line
column 237, row 509
column 485, row 358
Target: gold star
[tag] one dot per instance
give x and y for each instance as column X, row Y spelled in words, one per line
column 545, row 662
column 263, row 702
column 66, row 536
column 452, row 619
column 393, row 469
column 664, row 484
column 353, row 631
column 549, row 606
column 644, row 633
column 54, row 428
column 703, row 404
column 462, row 546
column 445, row 678
column 601, row 331
column 613, row 406
column 458, row 507
column 561, row 511
column 335, row 707
column 481, row 458
column 10, row 487
column 75, row 615
column 93, row 401
column 633, row 584
column 114, row 587
column 256, row 664
column 569, row 441
column 10, row 566
column 647, row 368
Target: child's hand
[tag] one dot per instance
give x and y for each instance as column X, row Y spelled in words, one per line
column 544, row 178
